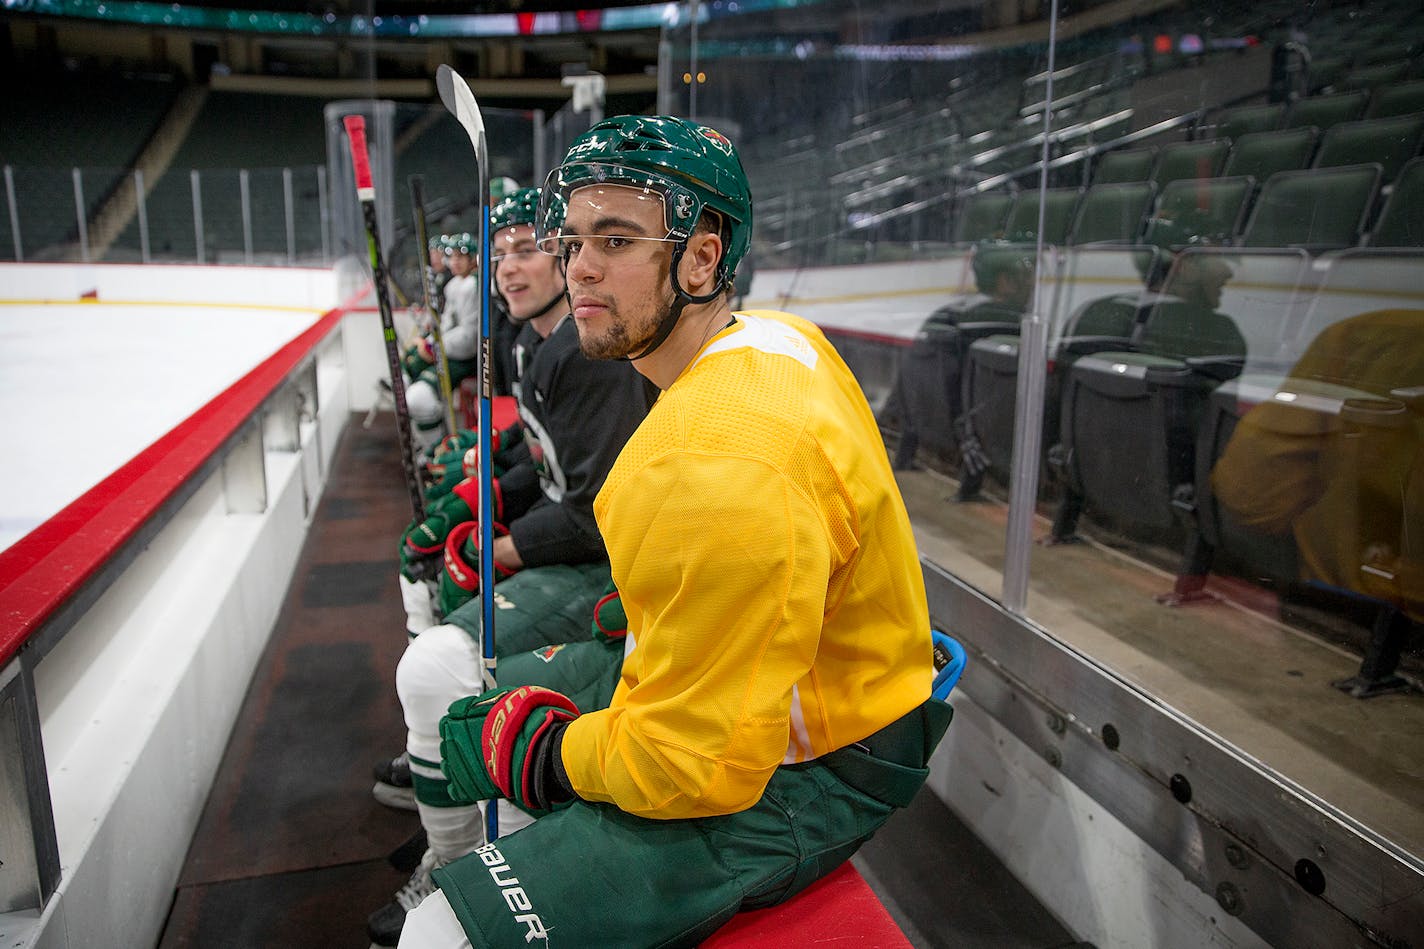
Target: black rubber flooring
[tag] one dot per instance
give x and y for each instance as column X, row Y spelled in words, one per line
column 292, row 850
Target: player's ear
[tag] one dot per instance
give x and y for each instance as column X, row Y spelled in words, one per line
column 704, row 253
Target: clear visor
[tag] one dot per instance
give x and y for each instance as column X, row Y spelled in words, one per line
column 611, row 207
column 515, row 241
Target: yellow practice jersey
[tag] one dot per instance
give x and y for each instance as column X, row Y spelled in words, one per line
column 775, row 602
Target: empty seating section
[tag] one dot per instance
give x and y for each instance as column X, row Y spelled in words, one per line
column 106, row 119
column 294, row 137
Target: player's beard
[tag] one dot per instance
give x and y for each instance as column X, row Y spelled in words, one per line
column 625, row 336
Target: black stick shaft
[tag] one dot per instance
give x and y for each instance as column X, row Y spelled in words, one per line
column 366, row 192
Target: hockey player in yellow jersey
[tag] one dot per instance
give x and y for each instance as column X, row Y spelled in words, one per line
column 774, row 705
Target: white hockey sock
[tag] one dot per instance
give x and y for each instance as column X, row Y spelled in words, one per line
column 452, row 832
column 419, row 605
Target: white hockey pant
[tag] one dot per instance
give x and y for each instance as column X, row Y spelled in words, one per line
column 438, row 668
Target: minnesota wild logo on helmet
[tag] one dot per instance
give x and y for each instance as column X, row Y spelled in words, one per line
column 693, row 167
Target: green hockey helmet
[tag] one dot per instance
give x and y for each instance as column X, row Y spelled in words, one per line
column 518, row 207
column 692, row 167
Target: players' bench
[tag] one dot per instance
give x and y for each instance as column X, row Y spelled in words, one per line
column 841, row 902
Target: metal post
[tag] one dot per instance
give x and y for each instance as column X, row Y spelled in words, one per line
column 246, row 193
column 79, row 215
column 197, row 184
column 325, row 213
column 692, row 64
column 142, row 214
column 1033, row 370
column 14, row 213
column 291, row 218
column 665, row 76
column 541, row 148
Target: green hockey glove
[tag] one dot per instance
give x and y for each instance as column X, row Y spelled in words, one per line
column 460, row 580
column 418, row 358
column 489, row 743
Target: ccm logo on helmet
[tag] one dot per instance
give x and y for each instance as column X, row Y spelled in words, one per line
column 513, row 893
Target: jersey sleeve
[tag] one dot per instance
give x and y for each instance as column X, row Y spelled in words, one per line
column 739, row 563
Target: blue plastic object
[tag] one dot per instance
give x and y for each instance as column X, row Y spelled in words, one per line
column 949, row 662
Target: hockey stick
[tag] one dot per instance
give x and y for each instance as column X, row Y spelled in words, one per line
column 460, row 102
column 427, row 286
column 366, row 192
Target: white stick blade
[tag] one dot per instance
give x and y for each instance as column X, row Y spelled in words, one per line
column 460, row 102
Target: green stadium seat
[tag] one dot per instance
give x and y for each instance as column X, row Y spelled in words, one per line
column 1388, row 143
column 982, row 216
column 1233, row 123
column 1326, row 70
column 1398, row 99
column 1400, row 223
column 1262, row 154
column 1219, row 203
column 1317, row 208
column 1059, row 204
column 1373, row 77
column 1325, row 111
column 1190, row 160
column 1112, row 212
column 1125, row 164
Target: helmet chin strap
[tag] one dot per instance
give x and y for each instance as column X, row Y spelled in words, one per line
column 674, row 313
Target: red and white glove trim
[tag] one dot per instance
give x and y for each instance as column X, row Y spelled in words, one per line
column 469, row 492
column 505, row 722
column 464, row 575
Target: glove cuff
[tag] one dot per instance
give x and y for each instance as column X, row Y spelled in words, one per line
column 469, row 492
column 463, row 574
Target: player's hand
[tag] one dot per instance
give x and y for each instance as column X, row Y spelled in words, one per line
column 489, row 742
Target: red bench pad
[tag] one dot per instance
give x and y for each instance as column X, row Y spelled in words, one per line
column 839, row 909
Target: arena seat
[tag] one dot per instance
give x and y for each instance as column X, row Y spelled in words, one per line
column 1190, row 160
column 1262, row 154
column 1399, row 224
column 1373, row 77
column 1058, row 203
column 1325, row 111
column 981, row 216
column 1243, row 120
column 1317, row 208
column 1396, row 99
column 1112, row 212
column 1124, row 165
column 838, row 908
column 1388, row 142
column 1216, row 205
